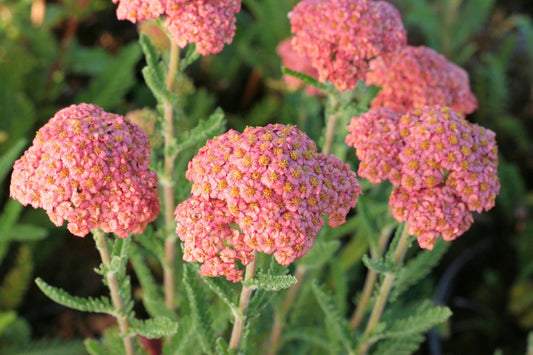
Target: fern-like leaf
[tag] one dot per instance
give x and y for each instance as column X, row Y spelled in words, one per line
column 378, row 265
column 100, row 305
column 197, row 302
column 320, row 253
column 399, row 346
column 334, row 319
column 307, row 79
column 206, row 129
column 219, row 287
column 417, row 268
column 271, row 282
column 153, row 328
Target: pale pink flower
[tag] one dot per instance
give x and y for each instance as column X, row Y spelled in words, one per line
column 341, row 36
column 414, row 77
column 275, row 187
column 138, row 10
column 294, row 61
column 90, row 168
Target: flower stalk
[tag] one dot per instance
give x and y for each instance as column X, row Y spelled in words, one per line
column 169, row 273
column 244, row 300
column 114, row 289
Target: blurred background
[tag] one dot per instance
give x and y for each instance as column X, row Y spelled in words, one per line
column 57, row 53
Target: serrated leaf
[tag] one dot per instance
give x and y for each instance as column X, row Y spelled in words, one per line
column 223, row 348
column 197, row 302
column 319, row 254
column 100, row 305
column 378, row 265
column 399, row 346
column 204, row 130
column 417, row 268
column 151, row 56
column 219, row 287
column 307, row 79
column 25, row 233
column 271, row 282
column 422, row 321
column 156, row 327
column 8, row 158
column 190, row 57
column 334, row 320
column 156, row 86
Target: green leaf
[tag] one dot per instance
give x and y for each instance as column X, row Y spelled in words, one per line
column 206, row 129
column 15, row 283
column 151, row 55
column 399, row 346
column 334, row 319
column 271, row 282
column 25, row 233
column 220, row 287
column 319, row 254
column 8, row 158
column 6, row 318
column 222, row 347
column 425, row 318
column 417, row 268
column 201, row 318
column 46, row 347
column 153, row 328
column 100, row 305
column 94, row 347
column 190, row 57
column 156, row 86
column 9, row 216
column 108, row 88
column 307, row 79
column 378, row 265
column 313, row 335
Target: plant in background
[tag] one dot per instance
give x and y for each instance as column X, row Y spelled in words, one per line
column 255, row 211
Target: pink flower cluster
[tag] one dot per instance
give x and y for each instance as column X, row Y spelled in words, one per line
column 414, row 77
column 341, row 36
column 208, row 23
column 90, row 168
column 443, row 166
column 261, row 190
column 294, row 61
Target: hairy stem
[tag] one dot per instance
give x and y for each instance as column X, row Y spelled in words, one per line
column 112, row 281
column 244, row 300
column 384, row 291
column 169, row 273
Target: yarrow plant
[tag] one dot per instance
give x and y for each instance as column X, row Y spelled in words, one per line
column 251, row 208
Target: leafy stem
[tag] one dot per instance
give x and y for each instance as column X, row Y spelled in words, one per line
column 114, row 289
column 244, row 300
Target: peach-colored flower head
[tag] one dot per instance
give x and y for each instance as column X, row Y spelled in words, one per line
column 341, row 36
column 274, row 185
column 294, row 61
column 414, row 77
column 90, row 168
column 429, row 154
column 208, row 23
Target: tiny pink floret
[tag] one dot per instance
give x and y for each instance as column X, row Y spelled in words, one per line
column 90, row 168
column 341, row 36
column 271, row 184
column 414, row 77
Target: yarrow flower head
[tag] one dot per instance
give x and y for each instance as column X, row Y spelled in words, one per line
column 414, row 77
column 341, row 36
column 294, row 61
column 90, row 168
column 261, row 190
column 208, row 23
column 443, row 166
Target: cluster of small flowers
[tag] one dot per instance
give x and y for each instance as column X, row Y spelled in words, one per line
column 443, row 166
column 414, row 77
column 271, row 183
column 341, row 36
column 90, row 168
column 208, row 23
column 294, row 61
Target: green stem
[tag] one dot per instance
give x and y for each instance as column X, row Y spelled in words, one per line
column 169, row 273
column 244, row 300
column 370, row 281
column 114, row 289
column 384, row 291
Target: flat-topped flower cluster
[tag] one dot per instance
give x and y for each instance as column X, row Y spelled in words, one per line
column 90, row 168
column 261, row 190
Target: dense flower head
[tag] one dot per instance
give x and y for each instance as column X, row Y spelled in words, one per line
column 341, row 36
column 90, row 168
column 429, row 154
column 208, row 23
column 274, row 185
column 414, row 77
column 294, row 61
